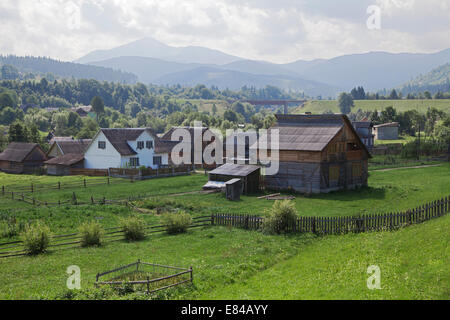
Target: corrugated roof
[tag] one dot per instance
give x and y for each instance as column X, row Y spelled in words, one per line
column 66, row 160
column 390, row 124
column 235, row 170
column 17, row 151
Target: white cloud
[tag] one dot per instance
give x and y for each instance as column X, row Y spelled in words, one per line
column 279, row 31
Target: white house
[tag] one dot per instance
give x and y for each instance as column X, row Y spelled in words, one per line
column 129, row 147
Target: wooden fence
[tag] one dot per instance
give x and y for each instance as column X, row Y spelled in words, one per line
column 345, row 224
column 150, row 277
column 16, row 248
column 88, row 172
column 148, row 173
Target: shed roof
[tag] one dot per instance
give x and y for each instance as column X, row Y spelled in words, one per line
column 66, row 159
column 389, row 124
column 74, row 146
column 17, row 151
column 235, row 170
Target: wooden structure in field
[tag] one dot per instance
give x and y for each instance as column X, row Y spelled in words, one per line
column 61, row 165
column 248, row 174
column 22, row 157
column 282, row 102
column 317, row 153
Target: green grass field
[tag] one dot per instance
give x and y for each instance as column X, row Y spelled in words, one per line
column 255, row 265
column 320, row 106
column 413, row 264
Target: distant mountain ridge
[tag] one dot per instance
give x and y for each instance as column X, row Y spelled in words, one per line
column 151, row 48
column 42, row 65
column 155, row 62
column 436, row 80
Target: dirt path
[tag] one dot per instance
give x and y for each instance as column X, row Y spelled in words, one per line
column 414, row 167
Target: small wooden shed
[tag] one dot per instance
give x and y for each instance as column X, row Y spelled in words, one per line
column 61, row 165
column 249, row 175
column 22, row 157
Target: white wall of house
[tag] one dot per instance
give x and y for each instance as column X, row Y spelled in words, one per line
column 110, row 157
column 96, row 158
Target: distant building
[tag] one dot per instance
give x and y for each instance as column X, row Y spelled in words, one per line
column 61, row 165
column 386, row 131
column 364, row 130
column 129, row 147
column 248, row 174
column 22, row 157
column 82, row 111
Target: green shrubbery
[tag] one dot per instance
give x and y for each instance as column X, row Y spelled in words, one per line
column 11, row 228
column 177, row 222
column 36, row 238
column 133, row 228
column 91, row 234
column 281, row 216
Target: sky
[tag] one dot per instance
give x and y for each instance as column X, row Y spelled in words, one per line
column 279, row 31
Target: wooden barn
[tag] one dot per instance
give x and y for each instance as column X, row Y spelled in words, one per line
column 69, row 146
column 317, row 153
column 61, row 165
column 22, row 157
column 248, row 174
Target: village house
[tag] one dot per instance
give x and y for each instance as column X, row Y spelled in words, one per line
column 364, row 131
column 386, row 131
column 193, row 132
column 22, row 157
column 317, row 153
column 127, row 148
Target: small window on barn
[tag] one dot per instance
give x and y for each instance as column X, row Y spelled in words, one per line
column 356, row 170
column 140, row 145
column 149, row 144
column 352, row 146
column 102, row 144
column 334, row 173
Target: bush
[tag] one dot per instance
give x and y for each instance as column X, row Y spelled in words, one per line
column 91, row 234
column 133, row 228
column 177, row 222
column 281, row 216
column 36, row 238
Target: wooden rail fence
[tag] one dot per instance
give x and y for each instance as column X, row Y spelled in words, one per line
column 151, row 277
column 344, row 224
column 73, row 240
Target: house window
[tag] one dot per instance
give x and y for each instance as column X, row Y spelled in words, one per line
column 157, row 160
column 149, row 144
column 102, row 144
column 140, row 144
column 134, row 162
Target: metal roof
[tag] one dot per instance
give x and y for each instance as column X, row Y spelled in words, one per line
column 235, row 170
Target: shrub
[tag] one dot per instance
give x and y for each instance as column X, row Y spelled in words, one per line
column 281, row 216
column 133, row 228
column 91, row 234
column 177, row 222
column 36, row 238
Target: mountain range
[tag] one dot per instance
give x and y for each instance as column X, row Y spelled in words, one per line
column 154, row 62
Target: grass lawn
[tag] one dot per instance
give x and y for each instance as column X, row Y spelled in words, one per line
column 320, row 106
column 413, row 263
column 223, row 258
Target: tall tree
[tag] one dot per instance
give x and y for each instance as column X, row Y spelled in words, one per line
column 345, row 102
column 98, row 106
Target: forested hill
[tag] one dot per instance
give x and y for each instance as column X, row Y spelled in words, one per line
column 437, row 80
column 42, row 65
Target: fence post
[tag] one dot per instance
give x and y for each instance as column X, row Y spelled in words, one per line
column 92, row 199
column 148, row 285
column 108, row 180
column 84, row 182
column 192, row 274
column 314, row 225
column 32, row 188
column 3, row 190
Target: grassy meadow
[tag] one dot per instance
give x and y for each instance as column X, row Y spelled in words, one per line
column 320, row 106
column 301, row 266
